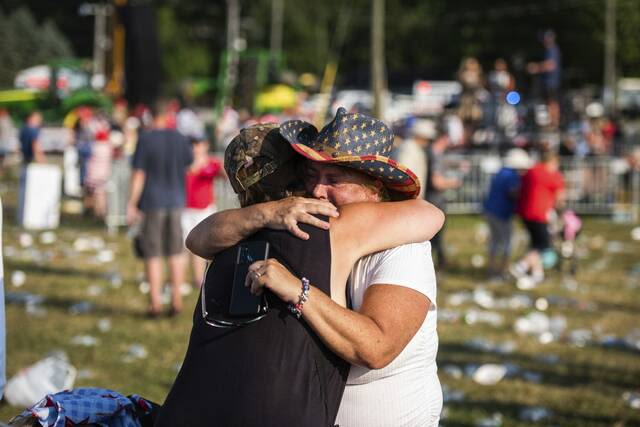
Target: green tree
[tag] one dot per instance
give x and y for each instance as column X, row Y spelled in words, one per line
column 52, row 43
column 25, row 44
column 183, row 56
column 628, row 50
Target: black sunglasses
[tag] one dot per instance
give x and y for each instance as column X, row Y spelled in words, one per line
column 220, row 319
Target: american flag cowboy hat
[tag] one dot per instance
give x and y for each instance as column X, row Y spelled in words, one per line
column 355, row 141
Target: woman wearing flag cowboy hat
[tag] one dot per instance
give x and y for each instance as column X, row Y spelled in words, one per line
column 389, row 336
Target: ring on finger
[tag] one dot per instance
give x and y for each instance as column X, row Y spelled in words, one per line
column 257, row 274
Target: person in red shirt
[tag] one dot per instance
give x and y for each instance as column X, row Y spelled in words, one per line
column 200, row 196
column 542, row 190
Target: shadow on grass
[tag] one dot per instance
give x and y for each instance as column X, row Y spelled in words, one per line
column 71, row 271
column 562, row 373
column 65, row 304
column 512, row 411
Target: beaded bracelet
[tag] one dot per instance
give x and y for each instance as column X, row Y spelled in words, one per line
column 304, row 297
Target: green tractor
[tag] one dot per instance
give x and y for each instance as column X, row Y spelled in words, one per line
column 55, row 89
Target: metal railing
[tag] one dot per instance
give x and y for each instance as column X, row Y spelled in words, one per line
column 594, row 185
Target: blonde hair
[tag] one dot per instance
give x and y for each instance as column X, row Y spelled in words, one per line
column 370, row 183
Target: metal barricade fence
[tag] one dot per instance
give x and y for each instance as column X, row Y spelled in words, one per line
column 118, row 193
column 593, row 185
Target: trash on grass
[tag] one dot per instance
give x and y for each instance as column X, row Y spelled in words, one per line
column 570, row 284
column 115, row 279
column 526, row 283
column 49, row 375
column 104, row 325
column 478, row 261
column 458, row 298
column 615, row 247
column 489, row 374
column 450, row 395
column 534, row 414
column 10, row 252
column 94, row 290
column 453, row 371
column 48, row 237
column 448, row 316
column 489, row 317
column 534, row 323
column 186, row 289
column 23, row 298
column 85, row 341
column 25, row 240
column 105, row 256
column 484, row 298
column 548, row 359
column 144, row 287
column 580, row 337
column 135, row 352
column 86, row 374
column 632, row 399
column 481, row 233
column 18, row 278
column 633, row 339
column 532, row 377
column 35, row 310
column 81, row 244
column 81, row 308
column 542, row 304
column 494, row 420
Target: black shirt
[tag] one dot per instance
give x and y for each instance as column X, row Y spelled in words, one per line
column 273, row 372
column 27, row 137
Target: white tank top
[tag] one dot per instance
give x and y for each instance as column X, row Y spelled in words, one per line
column 406, row 392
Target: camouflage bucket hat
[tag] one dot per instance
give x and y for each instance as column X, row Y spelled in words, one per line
column 257, row 151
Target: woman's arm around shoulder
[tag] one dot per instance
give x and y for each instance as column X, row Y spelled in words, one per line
column 364, row 228
column 224, row 229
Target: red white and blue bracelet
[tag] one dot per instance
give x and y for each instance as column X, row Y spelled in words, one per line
column 304, row 297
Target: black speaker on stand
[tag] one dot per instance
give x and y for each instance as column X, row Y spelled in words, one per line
column 142, row 52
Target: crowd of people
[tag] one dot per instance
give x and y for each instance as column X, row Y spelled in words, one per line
column 348, row 217
column 166, row 152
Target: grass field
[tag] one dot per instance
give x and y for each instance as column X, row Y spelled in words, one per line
column 579, row 375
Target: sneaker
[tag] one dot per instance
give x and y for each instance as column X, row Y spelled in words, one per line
column 537, row 278
column 496, row 278
column 518, row 270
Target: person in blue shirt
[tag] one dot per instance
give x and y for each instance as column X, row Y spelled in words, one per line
column 499, row 207
column 156, row 201
column 549, row 70
column 31, row 153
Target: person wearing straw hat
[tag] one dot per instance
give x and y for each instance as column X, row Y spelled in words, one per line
column 389, row 336
column 275, row 371
column 499, row 208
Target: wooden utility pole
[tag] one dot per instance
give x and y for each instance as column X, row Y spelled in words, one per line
column 378, row 79
column 233, row 34
column 610, row 86
column 277, row 9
